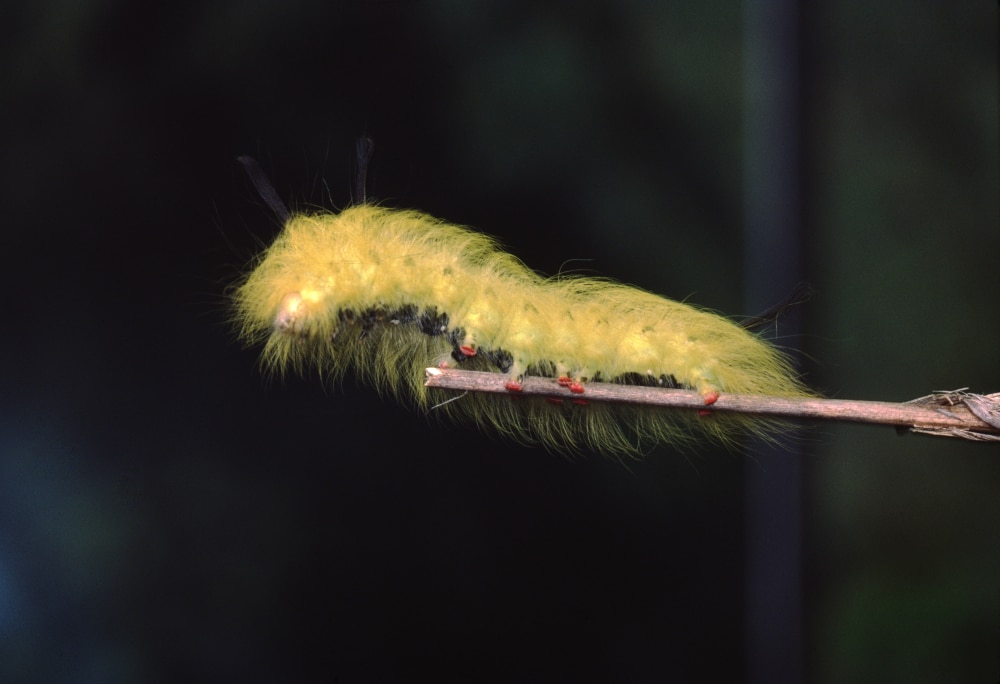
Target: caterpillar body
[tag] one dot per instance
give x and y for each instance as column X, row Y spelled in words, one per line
column 391, row 292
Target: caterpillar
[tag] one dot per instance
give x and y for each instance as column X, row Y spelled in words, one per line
column 389, row 292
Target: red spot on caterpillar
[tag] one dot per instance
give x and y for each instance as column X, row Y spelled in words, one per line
column 711, row 397
column 565, row 381
column 553, row 400
column 580, row 402
column 513, row 386
column 467, row 350
column 704, row 412
column 576, row 388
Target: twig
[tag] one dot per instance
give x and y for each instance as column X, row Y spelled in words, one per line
column 956, row 413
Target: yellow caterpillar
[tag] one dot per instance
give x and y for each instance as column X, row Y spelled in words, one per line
column 390, row 292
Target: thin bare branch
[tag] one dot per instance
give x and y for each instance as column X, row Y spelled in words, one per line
column 956, row 413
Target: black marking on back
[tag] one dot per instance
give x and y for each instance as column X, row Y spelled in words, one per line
column 499, row 358
column 543, row 369
column 406, row 314
column 433, row 323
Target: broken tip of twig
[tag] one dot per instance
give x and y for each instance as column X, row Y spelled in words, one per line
column 985, row 407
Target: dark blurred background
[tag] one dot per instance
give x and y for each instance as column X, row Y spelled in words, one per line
column 168, row 515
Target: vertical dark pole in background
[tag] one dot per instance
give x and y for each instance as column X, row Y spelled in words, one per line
column 772, row 217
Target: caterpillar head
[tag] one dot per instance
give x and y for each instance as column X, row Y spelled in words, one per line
column 296, row 312
column 290, row 313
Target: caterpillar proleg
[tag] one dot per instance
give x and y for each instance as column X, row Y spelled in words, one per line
column 390, row 292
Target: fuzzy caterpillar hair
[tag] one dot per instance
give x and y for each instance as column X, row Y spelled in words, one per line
column 390, row 292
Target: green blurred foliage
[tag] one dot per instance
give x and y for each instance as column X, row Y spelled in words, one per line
column 906, row 531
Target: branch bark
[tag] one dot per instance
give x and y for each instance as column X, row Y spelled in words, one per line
column 956, row 413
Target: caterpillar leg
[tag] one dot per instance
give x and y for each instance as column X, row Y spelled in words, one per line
column 574, row 386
